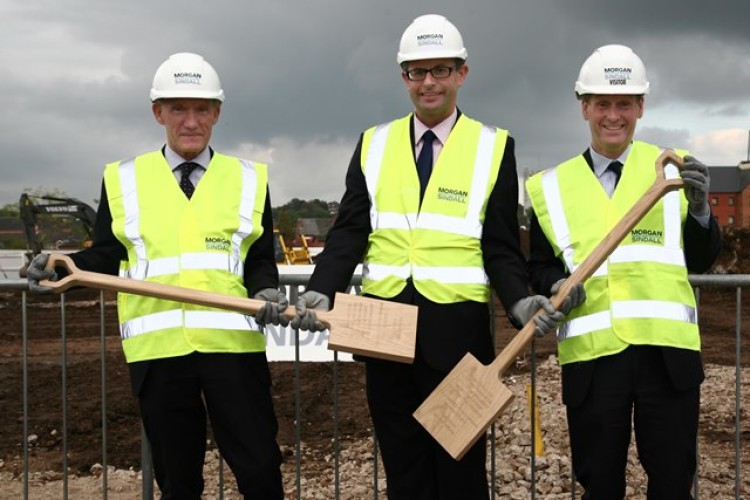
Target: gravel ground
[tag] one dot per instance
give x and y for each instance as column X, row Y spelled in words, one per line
column 512, row 479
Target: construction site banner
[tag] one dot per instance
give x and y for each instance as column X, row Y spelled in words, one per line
column 313, row 346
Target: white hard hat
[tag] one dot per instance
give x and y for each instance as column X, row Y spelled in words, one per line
column 612, row 69
column 186, row 75
column 431, row 37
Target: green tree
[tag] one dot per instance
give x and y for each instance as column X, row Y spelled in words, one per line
column 285, row 217
column 285, row 224
column 9, row 210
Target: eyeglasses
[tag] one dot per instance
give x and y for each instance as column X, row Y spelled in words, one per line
column 438, row 73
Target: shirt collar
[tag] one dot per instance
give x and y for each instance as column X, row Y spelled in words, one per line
column 442, row 130
column 600, row 163
column 174, row 160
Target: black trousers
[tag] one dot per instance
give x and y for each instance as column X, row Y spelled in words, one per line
column 633, row 390
column 235, row 389
column 416, row 466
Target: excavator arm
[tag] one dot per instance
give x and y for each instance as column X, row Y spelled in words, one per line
column 56, row 208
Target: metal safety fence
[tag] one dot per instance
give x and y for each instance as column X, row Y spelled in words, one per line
column 294, row 283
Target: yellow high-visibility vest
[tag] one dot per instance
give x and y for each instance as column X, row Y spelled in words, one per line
column 439, row 245
column 641, row 294
column 199, row 243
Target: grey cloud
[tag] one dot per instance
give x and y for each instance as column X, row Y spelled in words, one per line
column 305, row 78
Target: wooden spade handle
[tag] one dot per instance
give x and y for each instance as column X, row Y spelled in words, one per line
column 659, row 188
column 357, row 325
column 77, row 277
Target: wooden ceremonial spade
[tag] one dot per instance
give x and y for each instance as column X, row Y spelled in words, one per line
column 472, row 396
column 357, row 325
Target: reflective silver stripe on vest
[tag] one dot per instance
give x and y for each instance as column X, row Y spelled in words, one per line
column 454, row 275
column 551, row 191
column 640, row 253
column 584, row 324
column 480, row 181
column 377, row 272
column 630, row 309
column 145, row 269
column 435, row 222
column 129, row 189
column 372, row 167
column 407, row 222
column 215, row 320
column 447, row 224
column 392, row 220
column 150, row 323
column 669, row 253
column 247, row 208
column 657, row 309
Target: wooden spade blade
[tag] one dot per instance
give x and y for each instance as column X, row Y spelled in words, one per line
column 357, row 325
column 467, row 400
column 371, row 327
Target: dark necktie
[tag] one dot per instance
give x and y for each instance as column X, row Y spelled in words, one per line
column 424, row 162
column 186, row 169
column 616, row 167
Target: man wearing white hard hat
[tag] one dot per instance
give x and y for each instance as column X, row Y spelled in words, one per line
column 188, row 216
column 630, row 353
column 431, row 206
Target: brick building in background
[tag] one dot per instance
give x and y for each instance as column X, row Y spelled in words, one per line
column 730, row 195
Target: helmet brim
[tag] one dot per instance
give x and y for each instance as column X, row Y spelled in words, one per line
column 186, row 94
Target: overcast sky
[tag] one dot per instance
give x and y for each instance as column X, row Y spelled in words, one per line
column 303, row 78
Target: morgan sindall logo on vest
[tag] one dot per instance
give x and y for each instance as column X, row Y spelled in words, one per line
column 221, row 244
column 454, row 195
column 647, row 236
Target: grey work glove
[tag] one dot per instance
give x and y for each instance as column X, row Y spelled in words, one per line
column 697, row 181
column 37, row 271
column 575, row 298
column 306, row 319
column 524, row 310
column 273, row 310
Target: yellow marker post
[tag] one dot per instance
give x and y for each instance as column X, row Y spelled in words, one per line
column 536, row 431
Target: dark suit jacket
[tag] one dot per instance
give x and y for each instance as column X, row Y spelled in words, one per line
column 702, row 246
column 445, row 332
column 106, row 252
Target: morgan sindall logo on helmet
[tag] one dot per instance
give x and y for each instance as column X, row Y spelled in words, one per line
column 187, row 78
column 617, row 76
column 430, row 39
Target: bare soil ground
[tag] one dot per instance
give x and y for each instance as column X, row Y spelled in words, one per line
column 315, row 382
